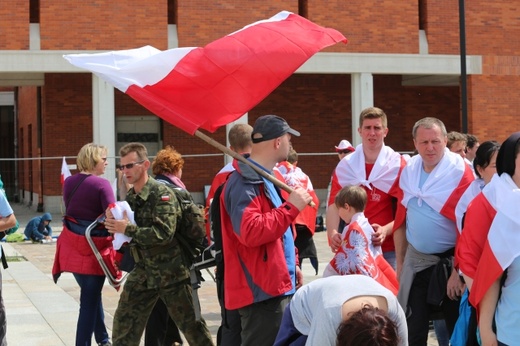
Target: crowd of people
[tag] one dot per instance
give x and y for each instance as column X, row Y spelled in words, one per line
column 414, row 240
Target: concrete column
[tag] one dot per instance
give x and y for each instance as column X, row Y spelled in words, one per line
column 362, row 88
column 242, row 120
column 103, row 121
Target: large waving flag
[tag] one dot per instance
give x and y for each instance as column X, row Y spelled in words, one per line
column 207, row 87
column 65, row 172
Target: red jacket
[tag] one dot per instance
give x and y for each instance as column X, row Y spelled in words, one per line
column 74, row 255
column 255, row 264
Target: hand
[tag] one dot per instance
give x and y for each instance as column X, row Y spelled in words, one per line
column 299, row 277
column 300, row 197
column 488, row 337
column 379, row 235
column 455, row 287
column 116, row 226
column 335, row 242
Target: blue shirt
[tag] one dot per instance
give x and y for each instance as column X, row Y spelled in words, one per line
column 508, row 309
column 5, row 208
column 427, row 230
column 288, row 240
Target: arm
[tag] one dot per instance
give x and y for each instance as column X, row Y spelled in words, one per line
column 468, row 280
column 400, row 247
column 332, row 223
column 7, row 222
column 156, row 220
column 455, row 287
column 487, row 309
column 255, row 222
column 381, row 232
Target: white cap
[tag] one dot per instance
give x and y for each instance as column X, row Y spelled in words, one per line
column 345, row 145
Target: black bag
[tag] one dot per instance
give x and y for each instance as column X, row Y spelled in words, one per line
column 212, row 255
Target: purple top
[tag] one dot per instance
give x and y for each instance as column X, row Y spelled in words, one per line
column 91, row 198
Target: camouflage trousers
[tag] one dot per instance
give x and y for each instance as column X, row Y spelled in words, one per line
column 136, row 304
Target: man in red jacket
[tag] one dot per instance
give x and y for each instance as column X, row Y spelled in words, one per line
column 258, row 241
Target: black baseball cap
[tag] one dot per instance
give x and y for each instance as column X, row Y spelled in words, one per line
column 270, row 127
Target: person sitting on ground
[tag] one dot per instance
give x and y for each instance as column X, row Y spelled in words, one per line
column 331, row 310
column 357, row 254
column 38, row 229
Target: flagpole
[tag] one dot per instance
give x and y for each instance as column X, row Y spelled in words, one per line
column 240, row 158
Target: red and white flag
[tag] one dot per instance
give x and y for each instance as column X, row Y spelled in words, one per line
column 65, row 172
column 295, row 177
column 211, row 86
column 501, row 247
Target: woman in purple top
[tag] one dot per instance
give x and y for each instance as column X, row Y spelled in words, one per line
column 86, row 196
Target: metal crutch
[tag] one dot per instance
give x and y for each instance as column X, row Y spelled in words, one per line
column 113, row 281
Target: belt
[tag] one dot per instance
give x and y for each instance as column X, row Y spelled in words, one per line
column 138, row 253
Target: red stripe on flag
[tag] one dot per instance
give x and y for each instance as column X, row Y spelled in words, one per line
column 488, row 270
column 217, row 84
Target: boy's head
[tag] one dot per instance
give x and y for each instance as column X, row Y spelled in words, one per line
column 354, row 196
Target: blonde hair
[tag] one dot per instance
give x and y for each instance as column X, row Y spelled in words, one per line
column 168, row 160
column 89, row 156
column 373, row 113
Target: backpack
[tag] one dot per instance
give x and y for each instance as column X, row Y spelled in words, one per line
column 190, row 231
column 212, row 256
column 216, row 231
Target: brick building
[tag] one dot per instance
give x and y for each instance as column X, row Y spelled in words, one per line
column 402, row 56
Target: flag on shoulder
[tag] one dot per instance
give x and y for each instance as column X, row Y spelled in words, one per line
column 65, row 172
column 211, row 86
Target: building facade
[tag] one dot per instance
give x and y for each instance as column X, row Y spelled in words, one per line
column 402, row 56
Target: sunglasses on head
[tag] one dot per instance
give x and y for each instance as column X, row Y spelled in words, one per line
column 130, row 165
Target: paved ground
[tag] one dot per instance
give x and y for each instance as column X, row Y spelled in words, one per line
column 42, row 313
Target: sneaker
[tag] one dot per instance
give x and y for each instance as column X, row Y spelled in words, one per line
column 37, row 241
column 45, row 241
column 107, row 343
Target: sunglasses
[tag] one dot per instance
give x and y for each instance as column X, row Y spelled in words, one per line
column 343, row 151
column 130, row 165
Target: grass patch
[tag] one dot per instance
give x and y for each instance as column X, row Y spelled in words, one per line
column 15, row 258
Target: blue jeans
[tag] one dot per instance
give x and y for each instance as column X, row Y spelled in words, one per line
column 91, row 318
column 390, row 258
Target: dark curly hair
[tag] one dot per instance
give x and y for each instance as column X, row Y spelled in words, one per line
column 368, row 326
column 167, row 161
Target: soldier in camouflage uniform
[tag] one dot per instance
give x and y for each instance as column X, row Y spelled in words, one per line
column 160, row 271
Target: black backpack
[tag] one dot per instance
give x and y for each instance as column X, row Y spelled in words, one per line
column 216, row 231
column 213, row 255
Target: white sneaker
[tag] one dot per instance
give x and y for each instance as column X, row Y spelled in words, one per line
column 45, row 241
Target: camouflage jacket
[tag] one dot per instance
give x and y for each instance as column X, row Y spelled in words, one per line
column 158, row 256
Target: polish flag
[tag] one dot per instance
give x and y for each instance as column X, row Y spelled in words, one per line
column 501, row 247
column 211, row 86
column 295, row 177
column 65, row 172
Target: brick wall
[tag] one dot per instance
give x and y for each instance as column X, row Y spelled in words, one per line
column 370, row 26
column 494, row 106
column 201, row 21
column 103, row 24
column 14, row 24
column 28, row 119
